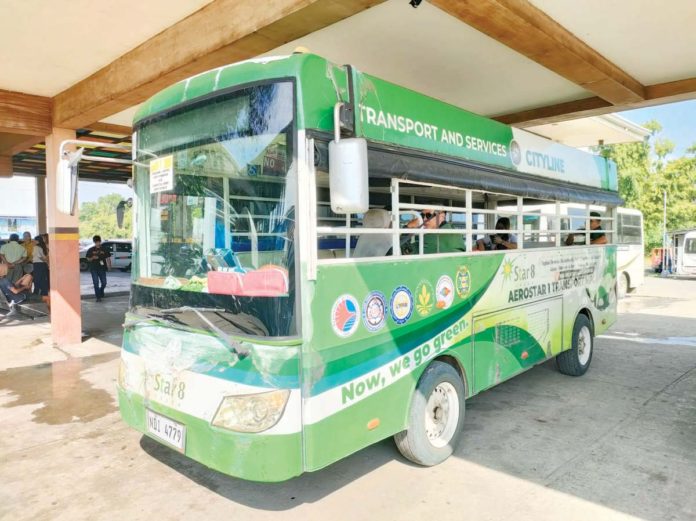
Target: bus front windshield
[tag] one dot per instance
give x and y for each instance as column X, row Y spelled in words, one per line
column 214, row 233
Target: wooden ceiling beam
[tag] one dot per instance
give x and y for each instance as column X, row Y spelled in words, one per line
column 26, row 144
column 658, row 94
column 526, row 29
column 6, row 166
column 111, row 128
column 24, row 114
column 222, row 32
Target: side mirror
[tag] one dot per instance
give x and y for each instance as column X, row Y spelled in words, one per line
column 348, row 175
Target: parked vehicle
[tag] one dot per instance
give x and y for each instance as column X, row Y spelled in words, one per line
column 121, row 252
column 262, row 344
column 684, row 248
column 629, row 254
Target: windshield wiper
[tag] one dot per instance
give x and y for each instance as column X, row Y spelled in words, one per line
column 235, row 346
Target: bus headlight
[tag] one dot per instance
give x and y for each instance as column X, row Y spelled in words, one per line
column 251, row 412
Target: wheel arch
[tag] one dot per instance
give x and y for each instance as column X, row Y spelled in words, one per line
column 458, row 366
column 586, row 311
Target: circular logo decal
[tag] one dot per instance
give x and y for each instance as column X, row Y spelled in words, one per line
column 344, row 315
column 374, row 311
column 462, row 281
column 515, row 152
column 401, row 304
column 425, row 298
column 444, row 292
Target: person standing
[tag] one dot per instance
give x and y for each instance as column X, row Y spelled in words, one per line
column 28, row 244
column 40, row 260
column 99, row 263
column 13, row 254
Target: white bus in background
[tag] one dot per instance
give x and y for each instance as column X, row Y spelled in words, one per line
column 630, row 265
column 684, row 251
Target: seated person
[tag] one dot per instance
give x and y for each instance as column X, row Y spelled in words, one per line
column 499, row 241
column 17, row 293
column 597, row 236
column 435, row 242
column 374, row 245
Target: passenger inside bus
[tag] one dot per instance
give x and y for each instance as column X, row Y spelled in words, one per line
column 437, row 243
column 498, row 241
column 597, row 236
column 374, row 245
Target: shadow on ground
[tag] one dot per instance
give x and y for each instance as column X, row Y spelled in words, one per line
column 625, row 427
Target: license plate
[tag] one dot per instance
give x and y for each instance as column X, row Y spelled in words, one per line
column 166, row 430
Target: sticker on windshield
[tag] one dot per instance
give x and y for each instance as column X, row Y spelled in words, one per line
column 162, row 174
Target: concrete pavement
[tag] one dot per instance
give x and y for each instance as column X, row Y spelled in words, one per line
column 618, row 443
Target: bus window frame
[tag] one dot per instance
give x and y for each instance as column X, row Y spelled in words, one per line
column 609, row 216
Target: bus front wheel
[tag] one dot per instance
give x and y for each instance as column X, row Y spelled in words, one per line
column 576, row 360
column 435, row 418
column 622, row 285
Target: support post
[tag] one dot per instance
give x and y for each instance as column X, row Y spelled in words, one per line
column 63, row 229
column 41, row 218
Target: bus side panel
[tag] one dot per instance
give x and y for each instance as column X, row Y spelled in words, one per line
column 374, row 328
column 592, row 287
column 510, row 341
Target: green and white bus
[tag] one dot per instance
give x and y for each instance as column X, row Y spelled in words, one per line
column 287, row 306
column 630, row 254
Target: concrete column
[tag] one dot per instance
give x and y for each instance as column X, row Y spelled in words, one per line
column 41, row 219
column 63, row 230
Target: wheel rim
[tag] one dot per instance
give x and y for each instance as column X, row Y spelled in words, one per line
column 442, row 414
column 584, row 345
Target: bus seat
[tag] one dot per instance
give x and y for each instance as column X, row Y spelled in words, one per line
column 374, row 245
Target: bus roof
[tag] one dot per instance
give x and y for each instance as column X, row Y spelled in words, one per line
column 396, row 116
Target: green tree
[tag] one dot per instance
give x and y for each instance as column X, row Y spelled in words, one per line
column 99, row 218
column 645, row 172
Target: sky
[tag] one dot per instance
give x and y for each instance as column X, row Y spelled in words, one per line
column 89, row 191
column 678, row 122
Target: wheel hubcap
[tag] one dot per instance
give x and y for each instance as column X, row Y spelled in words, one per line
column 442, row 414
column 584, row 345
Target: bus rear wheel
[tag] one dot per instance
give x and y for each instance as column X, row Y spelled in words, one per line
column 576, row 360
column 435, row 418
column 622, row 285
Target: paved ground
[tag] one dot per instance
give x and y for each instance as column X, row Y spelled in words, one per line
column 618, row 443
column 117, row 281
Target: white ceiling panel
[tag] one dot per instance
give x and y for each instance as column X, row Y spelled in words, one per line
column 653, row 41
column 49, row 45
column 432, row 52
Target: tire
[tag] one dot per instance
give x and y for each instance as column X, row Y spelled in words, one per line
column 622, row 285
column 435, row 418
column 83, row 265
column 576, row 360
